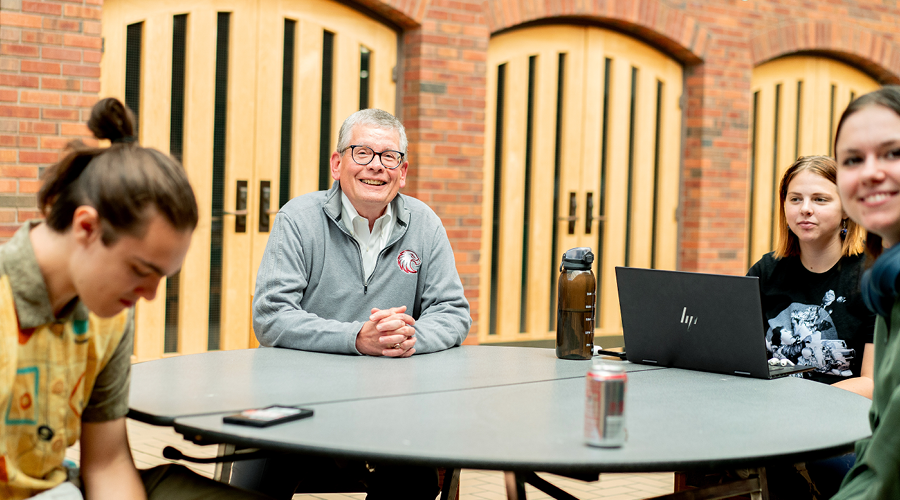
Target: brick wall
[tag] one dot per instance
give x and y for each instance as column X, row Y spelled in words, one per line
column 49, row 73
column 720, row 42
column 49, row 79
column 744, row 34
column 443, row 109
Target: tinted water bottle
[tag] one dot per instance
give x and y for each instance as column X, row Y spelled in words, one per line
column 576, row 306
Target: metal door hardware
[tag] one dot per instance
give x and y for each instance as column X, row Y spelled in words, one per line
column 240, row 206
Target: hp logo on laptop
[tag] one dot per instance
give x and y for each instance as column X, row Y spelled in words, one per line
column 687, row 320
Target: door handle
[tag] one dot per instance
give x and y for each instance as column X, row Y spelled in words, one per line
column 573, row 210
column 589, row 213
column 265, row 193
column 240, row 208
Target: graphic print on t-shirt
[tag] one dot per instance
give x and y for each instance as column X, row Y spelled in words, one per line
column 805, row 335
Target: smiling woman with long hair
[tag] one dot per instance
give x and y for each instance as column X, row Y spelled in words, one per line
column 867, row 145
column 814, row 312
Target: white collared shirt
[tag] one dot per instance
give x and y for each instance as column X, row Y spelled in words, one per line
column 370, row 243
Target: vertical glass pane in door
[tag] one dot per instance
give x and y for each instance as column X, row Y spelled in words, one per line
column 218, row 191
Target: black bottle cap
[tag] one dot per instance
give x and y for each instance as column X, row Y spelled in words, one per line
column 577, row 259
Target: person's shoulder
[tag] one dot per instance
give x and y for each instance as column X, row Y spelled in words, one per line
column 766, row 264
column 857, row 260
column 305, row 205
column 305, row 200
column 852, row 264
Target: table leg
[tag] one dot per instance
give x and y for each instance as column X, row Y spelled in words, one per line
column 515, row 486
column 755, row 486
column 763, row 493
column 451, row 484
column 223, row 469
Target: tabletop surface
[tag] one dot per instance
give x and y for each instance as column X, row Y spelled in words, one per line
column 676, row 420
column 228, row 381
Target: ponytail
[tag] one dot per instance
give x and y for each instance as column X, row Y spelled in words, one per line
column 125, row 182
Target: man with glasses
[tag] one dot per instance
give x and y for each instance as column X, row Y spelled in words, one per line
column 357, row 269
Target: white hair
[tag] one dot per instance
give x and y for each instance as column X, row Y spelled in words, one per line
column 374, row 118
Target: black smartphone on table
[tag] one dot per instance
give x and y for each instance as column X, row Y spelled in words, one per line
column 264, row 417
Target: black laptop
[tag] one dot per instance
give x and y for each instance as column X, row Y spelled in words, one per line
column 708, row 322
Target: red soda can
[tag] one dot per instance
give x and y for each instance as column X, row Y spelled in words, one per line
column 604, row 412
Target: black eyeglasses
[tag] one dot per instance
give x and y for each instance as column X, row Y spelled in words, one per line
column 363, row 155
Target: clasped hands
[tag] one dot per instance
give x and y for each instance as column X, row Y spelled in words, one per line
column 388, row 332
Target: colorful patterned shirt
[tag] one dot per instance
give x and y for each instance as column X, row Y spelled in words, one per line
column 56, row 371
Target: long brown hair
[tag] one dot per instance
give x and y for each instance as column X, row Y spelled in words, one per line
column 125, row 182
column 853, row 243
column 889, row 97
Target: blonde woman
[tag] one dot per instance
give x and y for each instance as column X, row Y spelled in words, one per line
column 810, row 283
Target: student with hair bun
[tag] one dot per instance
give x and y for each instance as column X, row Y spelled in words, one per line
column 117, row 220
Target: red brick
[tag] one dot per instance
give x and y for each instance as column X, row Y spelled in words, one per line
column 25, row 215
column 10, row 34
column 40, row 97
column 90, row 27
column 59, row 114
column 53, row 142
column 84, row 101
column 90, row 86
column 8, row 231
column 7, row 155
column 18, row 171
column 79, row 129
column 18, row 80
column 29, row 36
column 46, row 38
column 28, row 141
column 40, row 67
column 19, row 111
column 37, row 157
column 9, row 64
column 37, row 128
column 82, row 12
column 92, row 56
column 12, row 49
column 85, row 70
column 28, row 187
column 42, row 8
column 9, row 95
column 59, row 54
column 7, row 186
column 8, row 141
column 61, row 25
column 22, row 20
column 60, row 83
column 86, row 42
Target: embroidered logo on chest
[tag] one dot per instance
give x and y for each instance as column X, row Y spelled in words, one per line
column 408, row 262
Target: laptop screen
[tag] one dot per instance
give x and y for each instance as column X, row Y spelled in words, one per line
column 698, row 321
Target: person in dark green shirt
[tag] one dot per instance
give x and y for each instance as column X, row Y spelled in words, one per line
column 867, row 147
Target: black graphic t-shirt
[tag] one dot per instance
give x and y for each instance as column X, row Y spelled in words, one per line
column 815, row 319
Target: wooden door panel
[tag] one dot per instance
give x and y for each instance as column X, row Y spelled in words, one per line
column 584, row 53
column 785, row 130
column 253, row 130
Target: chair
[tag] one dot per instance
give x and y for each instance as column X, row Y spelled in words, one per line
column 448, row 479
